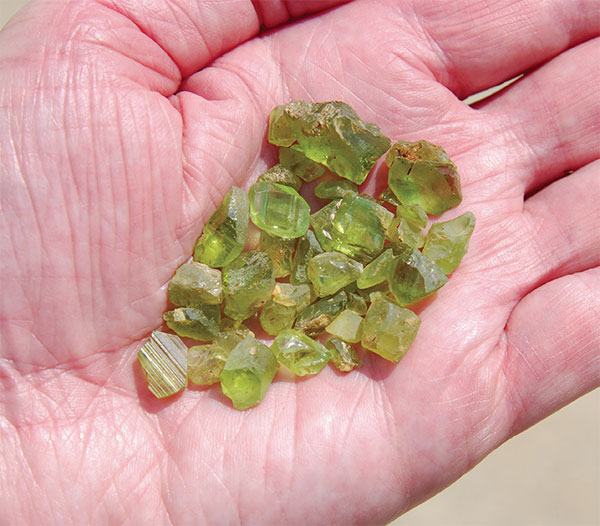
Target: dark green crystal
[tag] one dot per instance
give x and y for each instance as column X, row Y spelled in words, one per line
column 313, row 319
column 308, row 247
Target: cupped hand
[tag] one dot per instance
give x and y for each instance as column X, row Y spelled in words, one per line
column 122, row 125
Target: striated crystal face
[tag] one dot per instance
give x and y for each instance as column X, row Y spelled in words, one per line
column 202, row 322
column 330, row 133
column 448, row 242
column 278, row 209
column 389, row 329
column 248, row 373
column 247, row 284
column 164, row 361
column 377, row 271
column 275, row 317
column 331, row 271
column 299, row 353
column 280, row 251
column 196, row 284
column 225, row 232
column 281, row 175
column 313, row 319
column 335, row 189
column 347, row 325
column 308, row 247
column 343, row 355
column 300, row 165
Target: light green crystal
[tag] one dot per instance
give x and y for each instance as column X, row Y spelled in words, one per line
column 225, row 232
column 282, row 175
column 447, row 242
column 289, row 295
column 299, row 353
column 275, row 317
column 335, row 189
column 347, row 325
column 308, row 247
column 200, row 323
column 331, row 271
column 330, row 133
column 300, row 165
column 422, row 173
column 403, row 231
column 278, row 209
column 280, row 251
column 357, row 303
column 164, row 361
column 248, row 373
column 389, row 329
column 377, row 271
column 413, row 213
column 247, row 284
column 343, row 355
column 196, row 284
column 313, row 319
column 380, row 289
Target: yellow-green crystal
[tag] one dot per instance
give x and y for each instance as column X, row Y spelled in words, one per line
column 347, row 325
column 308, row 247
column 448, row 242
column 225, row 232
column 343, row 355
column 294, row 160
column 404, row 231
column 278, row 209
column 201, row 322
column 389, row 329
column 331, row 271
column 377, row 271
column 313, row 319
column 282, row 175
column 356, row 303
column 280, row 251
column 413, row 213
column 299, row 353
column 248, row 373
column 297, row 296
column 196, row 284
column 275, row 317
column 335, row 189
column 164, row 361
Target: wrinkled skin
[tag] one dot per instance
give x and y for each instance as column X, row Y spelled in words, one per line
column 122, row 125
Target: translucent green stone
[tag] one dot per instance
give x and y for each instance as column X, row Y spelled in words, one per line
column 347, row 325
column 202, row 322
column 307, row 248
column 422, row 173
column 343, row 355
column 225, row 232
column 247, row 284
column 205, row 363
column 389, row 329
column 413, row 213
column 332, row 271
column 377, row 271
column 196, row 284
column 300, row 165
column 313, row 319
column 402, row 230
column 448, row 242
column 414, row 276
column 275, row 317
column 330, row 133
column 357, row 303
column 381, row 289
column 335, row 189
column 387, row 196
column 248, row 373
column 299, row 353
column 289, row 295
column 278, row 209
column 164, row 361
column 281, row 175
column 280, row 251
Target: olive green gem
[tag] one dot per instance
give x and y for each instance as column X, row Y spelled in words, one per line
column 347, row 325
column 413, row 213
column 196, row 284
column 201, row 322
column 356, row 303
column 343, row 355
column 225, row 232
column 164, row 361
column 335, row 189
column 308, row 247
column 404, row 231
column 377, row 271
column 297, row 296
column 381, row 289
column 275, row 317
column 313, row 319
column 281, row 175
column 331, row 271
column 387, row 196
column 280, row 251
column 300, row 165
column 280, row 132
column 299, row 353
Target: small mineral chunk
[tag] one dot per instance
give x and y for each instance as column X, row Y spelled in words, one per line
column 313, row 319
column 299, row 353
column 280, row 251
column 281, row 175
column 335, row 189
column 164, row 361
column 196, row 284
column 297, row 296
column 377, row 271
column 294, row 160
column 308, row 247
column 357, row 303
column 202, row 322
column 404, row 231
column 332, row 271
column 413, row 213
column 343, row 355
column 275, row 317
column 347, row 326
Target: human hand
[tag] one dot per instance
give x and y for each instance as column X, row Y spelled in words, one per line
column 122, row 126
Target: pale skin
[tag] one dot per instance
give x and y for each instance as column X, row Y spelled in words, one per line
column 122, row 125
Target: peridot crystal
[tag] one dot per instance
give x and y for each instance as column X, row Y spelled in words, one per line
column 402, row 230
column 275, row 317
column 313, row 319
column 331, row 271
column 308, row 247
column 196, row 284
column 300, row 165
column 299, row 353
column 343, row 355
column 297, row 296
column 282, row 175
column 201, row 322
column 347, row 325
column 377, row 271
column 335, row 189
column 280, row 251
column 164, row 361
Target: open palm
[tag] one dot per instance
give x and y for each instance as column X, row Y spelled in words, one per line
column 123, row 124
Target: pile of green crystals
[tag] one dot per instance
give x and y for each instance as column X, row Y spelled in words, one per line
column 347, row 271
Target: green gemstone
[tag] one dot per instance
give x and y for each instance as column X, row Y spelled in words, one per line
column 248, row 373
column 281, row 175
column 299, row 353
column 343, row 355
column 377, row 271
column 347, row 325
column 247, row 284
column 278, row 209
column 275, row 317
column 389, row 329
column 403, row 231
column 331, row 271
column 387, row 196
column 307, row 248
column 335, row 189
column 381, row 289
column 357, row 303
column 200, row 323
column 413, row 213
column 280, row 251
column 164, row 361
column 300, row 165
column 225, row 232
column 447, row 242
column 422, row 173
column 206, row 362
column 297, row 296
column 330, row 133
column 413, row 276
column 196, row 284
column 313, row 319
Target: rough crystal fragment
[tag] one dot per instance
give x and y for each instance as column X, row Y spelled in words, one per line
column 313, row 319
column 343, row 355
column 335, row 189
column 422, row 173
column 387, row 196
column 247, row 284
column 275, row 317
column 381, row 289
column 281, row 175
column 280, row 251
column 164, row 361
column 295, row 161
column 389, row 329
column 347, row 325
column 205, row 363
column 196, row 284
column 307, row 248
column 403, row 231
column 299, row 353
column 377, row 271
column 331, row 271
column 278, row 209
column 413, row 213
column 297, row 296
column 357, row 303
column 447, row 242
column 200, row 323
column 330, row 133
column 225, row 232
column 248, row 373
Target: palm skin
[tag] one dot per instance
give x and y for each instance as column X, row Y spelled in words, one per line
column 119, row 136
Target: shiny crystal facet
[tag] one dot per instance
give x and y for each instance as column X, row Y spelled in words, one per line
column 347, row 325
column 343, row 355
column 300, row 165
column 413, row 213
column 164, row 361
column 335, row 189
column 308, row 247
column 282, row 175
column 313, row 319
column 377, row 271
column 299, row 353
column 403, row 231
column 331, row 271
column 289, row 295
column 202, row 322
column 275, row 317
column 196, row 284
column 280, row 251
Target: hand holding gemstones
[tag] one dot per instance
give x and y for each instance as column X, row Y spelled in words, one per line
column 123, row 127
